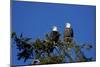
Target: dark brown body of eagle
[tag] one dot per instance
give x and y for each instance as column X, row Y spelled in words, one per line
column 54, row 35
column 68, row 35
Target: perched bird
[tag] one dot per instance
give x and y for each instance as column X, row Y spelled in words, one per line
column 68, row 33
column 54, row 35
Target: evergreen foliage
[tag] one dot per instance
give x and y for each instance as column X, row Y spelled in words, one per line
column 49, row 52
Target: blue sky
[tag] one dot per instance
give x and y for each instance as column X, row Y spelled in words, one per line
column 34, row 19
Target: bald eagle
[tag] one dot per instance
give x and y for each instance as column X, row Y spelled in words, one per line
column 54, row 35
column 68, row 33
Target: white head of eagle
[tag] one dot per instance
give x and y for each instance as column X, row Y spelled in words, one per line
column 54, row 35
column 54, row 28
column 68, row 25
column 68, row 32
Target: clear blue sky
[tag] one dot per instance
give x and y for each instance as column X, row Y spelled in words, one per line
column 34, row 19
